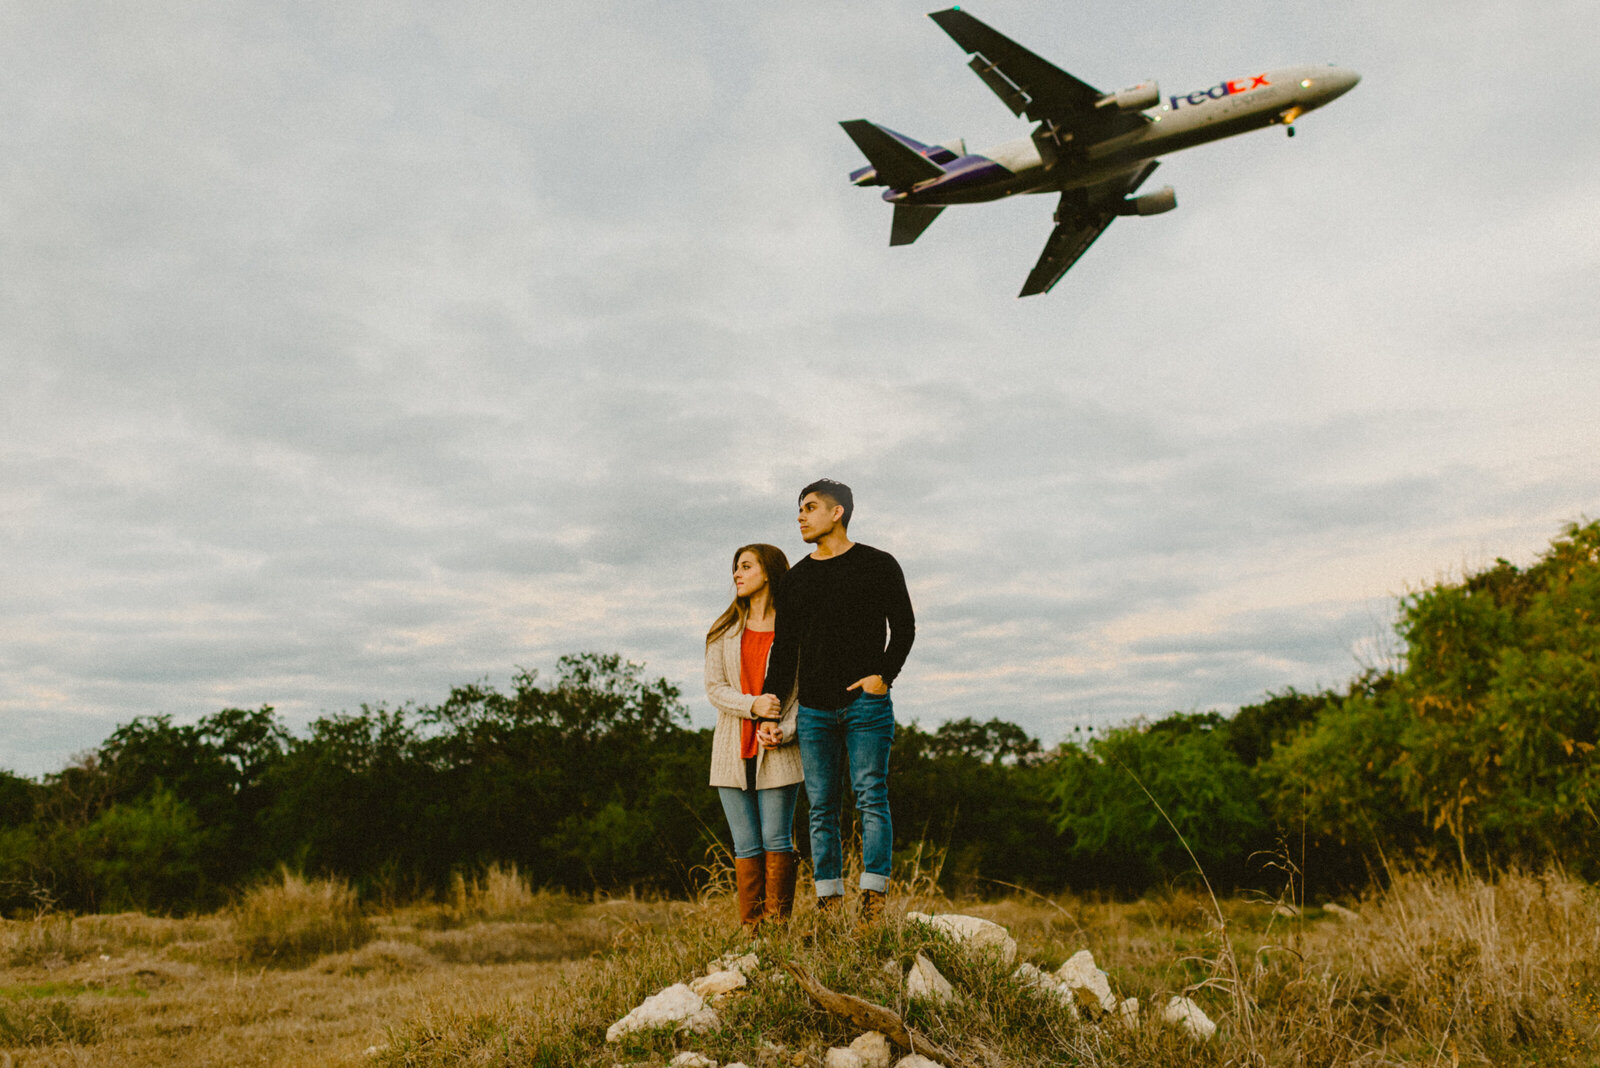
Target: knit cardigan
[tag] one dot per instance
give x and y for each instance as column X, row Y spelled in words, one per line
column 778, row 766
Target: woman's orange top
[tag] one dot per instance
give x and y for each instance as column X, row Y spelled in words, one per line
column 754, row 645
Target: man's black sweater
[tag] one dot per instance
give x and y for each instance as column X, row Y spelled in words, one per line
column 832, row 617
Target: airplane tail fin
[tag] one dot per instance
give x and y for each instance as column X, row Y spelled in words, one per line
column 897, row 160
column 909, row 222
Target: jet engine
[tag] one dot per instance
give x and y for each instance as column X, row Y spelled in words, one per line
column 1136, row 98
column 1163, row 199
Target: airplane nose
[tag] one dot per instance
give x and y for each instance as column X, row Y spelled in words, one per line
column 1342, row 80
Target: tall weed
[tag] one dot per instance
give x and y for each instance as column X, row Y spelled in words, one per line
column 292, row 920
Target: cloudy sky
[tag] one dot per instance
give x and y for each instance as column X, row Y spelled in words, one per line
column 356, row 351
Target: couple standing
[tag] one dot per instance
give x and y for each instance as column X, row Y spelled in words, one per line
column 799, row 669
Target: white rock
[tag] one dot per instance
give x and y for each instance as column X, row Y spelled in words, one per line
column 1128, row 1013
column 709, row 986
column 916, row 1060
column 1181, row 1012
column 1285, row 909
column 676, row 1006
column 745, row 965
column 736, row 1064
column 1340, row 911
column 974, row 932
column 689, row 1059
column 1036, row 978
column 839, row 1057
column 1087, row 982
column 924, row 981
column 1031, row 975
column 873, row 1049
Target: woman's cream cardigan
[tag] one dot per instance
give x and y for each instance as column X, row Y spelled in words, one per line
column 778, row 766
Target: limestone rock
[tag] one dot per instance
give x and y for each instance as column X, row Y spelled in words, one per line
column 689, row 1059
column 1128, row 1013
column 709, row 986
column 745, row 964
column 924, row 981
column 1036, row 978
column 1347, row 915
column 839, row 1057
column 676, row 1006
column 1031, row 975
column 1181, row 1012
column 974, row 932
column 873, row 1049
column 916, row 1060
column 1087, row 982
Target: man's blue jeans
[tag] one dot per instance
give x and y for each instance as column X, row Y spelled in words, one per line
column 761, row 820
column 856, row 736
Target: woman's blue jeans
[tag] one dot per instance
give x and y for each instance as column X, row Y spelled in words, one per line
column 762, row 821
column 856, row 737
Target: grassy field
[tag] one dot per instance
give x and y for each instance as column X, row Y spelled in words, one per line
column 1436, row 970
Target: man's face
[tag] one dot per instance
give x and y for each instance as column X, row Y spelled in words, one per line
column 818, row 517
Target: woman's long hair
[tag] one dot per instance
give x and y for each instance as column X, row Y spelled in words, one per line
column 773, row 563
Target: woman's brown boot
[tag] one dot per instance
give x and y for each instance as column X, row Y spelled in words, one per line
column 781, row 871
column 750, row 876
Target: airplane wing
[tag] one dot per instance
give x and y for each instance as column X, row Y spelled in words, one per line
column 1031, row 85
column 1082, row 216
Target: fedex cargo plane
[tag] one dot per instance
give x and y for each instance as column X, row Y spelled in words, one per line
column 1095, row 149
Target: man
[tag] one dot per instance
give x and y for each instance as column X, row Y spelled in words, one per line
column 835, row 608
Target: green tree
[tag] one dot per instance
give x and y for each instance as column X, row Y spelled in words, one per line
column 1483, row 746
column 1106, row 794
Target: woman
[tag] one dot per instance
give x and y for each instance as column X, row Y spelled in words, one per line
column 755, row 764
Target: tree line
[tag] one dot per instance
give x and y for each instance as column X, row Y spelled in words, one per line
column 1478, row 748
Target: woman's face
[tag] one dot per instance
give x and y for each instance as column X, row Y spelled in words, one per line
column 748, row 577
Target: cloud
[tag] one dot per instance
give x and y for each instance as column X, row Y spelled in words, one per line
column 359, row 352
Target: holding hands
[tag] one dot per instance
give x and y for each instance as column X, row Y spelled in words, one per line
column 766, row 707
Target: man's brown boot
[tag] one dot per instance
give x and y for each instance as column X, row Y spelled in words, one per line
column 830, row 904
column 750, row 875
column 781, row 871
column 870, row 910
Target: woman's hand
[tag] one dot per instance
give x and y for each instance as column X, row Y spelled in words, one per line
column 769, row 735
column 766, row 707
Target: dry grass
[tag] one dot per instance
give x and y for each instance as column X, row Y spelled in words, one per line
column 1438, row 971
column 291, row 920
column 141, row 991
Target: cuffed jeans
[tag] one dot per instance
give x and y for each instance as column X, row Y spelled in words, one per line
column 856, row 736
column 762, row 821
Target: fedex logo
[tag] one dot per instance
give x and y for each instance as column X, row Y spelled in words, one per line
column 1217, row 92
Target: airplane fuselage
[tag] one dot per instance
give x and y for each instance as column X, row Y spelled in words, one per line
column 1037, row 165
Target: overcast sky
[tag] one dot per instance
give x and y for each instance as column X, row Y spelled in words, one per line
column 356, row 351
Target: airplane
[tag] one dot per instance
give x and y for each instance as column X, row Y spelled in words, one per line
column 1095, row 149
